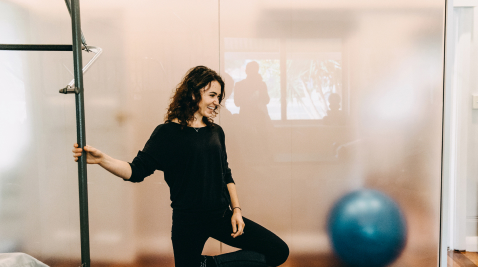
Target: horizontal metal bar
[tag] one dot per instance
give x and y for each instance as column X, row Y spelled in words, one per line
column 36, row 47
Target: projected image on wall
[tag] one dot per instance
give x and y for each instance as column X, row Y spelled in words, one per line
column 288, row 79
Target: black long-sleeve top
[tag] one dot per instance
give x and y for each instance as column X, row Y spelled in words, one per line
column 194, row 163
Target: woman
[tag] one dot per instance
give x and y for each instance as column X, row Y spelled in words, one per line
column 189, row 148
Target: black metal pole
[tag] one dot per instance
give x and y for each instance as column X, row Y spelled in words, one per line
column 36, row 47
column 68, row 6
column 80, row 130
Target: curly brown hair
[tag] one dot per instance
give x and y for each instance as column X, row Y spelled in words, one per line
column 184, row 102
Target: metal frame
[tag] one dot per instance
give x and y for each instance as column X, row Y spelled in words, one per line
column 36, row 47
column 448, row 48
column 80, row 132
column 78, row 45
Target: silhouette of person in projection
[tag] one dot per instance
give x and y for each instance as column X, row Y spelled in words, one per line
column 334, row 116
column 251, row 95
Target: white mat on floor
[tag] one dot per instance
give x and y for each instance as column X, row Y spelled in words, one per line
column 19, row 260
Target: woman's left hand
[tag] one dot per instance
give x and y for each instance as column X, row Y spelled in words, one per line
column 237, row 223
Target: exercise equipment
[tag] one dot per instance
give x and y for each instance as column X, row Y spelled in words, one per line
column 74, row 87
column 367, row 228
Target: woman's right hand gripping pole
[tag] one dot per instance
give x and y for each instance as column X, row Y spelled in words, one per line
column 93, row 155
column 117, row 167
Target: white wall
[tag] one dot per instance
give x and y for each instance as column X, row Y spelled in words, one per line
column 460, row 172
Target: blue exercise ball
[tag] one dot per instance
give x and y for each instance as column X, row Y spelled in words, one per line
column 367, row 228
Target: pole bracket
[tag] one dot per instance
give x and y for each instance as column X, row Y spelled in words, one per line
column 70, row 90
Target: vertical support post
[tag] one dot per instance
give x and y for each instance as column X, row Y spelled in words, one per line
column 80, row 129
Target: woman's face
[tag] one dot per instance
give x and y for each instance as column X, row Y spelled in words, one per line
column 209, row 99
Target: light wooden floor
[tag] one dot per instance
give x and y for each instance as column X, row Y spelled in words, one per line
column 455, row 259
column 302, row 261
column 462, row 259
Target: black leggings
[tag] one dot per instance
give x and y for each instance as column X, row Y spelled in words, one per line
column 260, row 247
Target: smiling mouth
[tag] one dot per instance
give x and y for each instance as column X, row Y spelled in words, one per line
column 211, row 108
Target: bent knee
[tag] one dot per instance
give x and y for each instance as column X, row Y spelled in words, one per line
column 280, row 254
